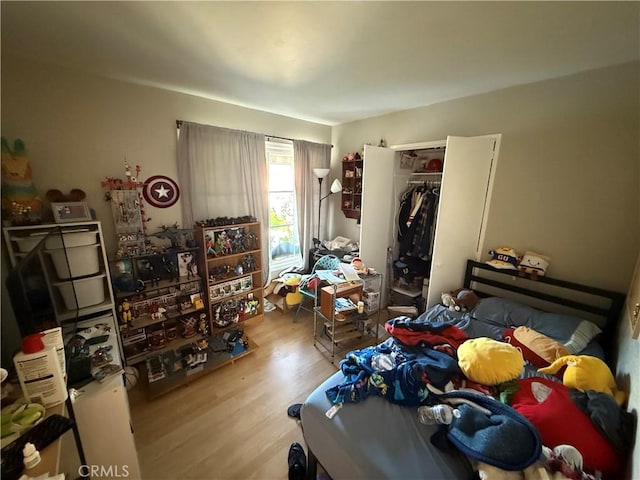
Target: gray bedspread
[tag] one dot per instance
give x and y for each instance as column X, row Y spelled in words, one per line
column 375, row 439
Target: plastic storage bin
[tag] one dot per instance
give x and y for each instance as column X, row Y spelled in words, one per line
column 71, row 238
column 28, row 242
column 89, row 291
column 75, row 261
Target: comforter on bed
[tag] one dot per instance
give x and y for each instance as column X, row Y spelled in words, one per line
column 422, row 352
column 397, row 372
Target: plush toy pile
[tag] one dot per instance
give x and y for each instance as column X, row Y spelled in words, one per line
column 531, row 264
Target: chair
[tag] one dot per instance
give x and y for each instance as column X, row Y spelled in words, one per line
column 326, row 262
column 294, row 297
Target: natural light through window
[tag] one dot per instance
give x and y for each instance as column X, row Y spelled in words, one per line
column 284, row 244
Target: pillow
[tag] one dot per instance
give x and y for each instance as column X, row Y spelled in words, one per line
column 538, row 349
column 559, row 421
column 559, row 327
column 489, row 362
column 581, row 336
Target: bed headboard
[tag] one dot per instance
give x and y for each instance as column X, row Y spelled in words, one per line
column 601, row 306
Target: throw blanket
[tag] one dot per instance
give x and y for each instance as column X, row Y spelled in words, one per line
column 397, row 372
column 423, row 332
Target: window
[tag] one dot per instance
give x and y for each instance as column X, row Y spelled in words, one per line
column 284, row 244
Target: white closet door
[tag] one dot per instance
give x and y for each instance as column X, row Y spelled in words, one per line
column 377, row 215
column 469, row 165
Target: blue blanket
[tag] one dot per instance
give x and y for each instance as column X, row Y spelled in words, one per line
column 397, row 372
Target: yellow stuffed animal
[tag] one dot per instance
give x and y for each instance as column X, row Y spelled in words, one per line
column 584, row 372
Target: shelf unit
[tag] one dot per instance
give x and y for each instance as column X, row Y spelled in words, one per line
column 74, row 272
column 49, row 257
column 336, row 334
column 351, row 187
column 163, row 315
column 231, row 262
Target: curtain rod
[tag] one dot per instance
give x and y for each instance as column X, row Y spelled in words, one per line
column 179, row 123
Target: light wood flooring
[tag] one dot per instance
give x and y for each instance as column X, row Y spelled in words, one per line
column 233, row 423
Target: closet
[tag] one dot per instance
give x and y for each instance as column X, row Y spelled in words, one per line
column 460, row 195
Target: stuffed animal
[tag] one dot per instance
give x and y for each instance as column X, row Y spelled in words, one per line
column 504, row 258
column 533, row 265
column 584, row 372
column 460, row 300
column 20, row 201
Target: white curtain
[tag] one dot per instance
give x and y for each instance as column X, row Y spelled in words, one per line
column 223, row 173
column 307, row 156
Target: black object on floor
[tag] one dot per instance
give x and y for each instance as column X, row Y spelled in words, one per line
column 297, row 462
column 294, row 410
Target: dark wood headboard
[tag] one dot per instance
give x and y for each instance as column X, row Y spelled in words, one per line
column 601, row 306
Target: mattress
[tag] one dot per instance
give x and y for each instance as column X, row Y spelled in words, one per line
column 375, row 439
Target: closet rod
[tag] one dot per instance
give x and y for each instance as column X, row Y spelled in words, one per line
column 423, row 182
column 179, row 123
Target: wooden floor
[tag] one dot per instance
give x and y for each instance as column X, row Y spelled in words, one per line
column 233, row 423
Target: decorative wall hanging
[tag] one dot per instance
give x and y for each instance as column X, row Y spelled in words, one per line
column 160, row 191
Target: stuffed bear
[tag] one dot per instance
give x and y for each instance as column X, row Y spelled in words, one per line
column 460, row 300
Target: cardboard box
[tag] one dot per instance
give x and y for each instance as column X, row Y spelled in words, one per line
column 351, row 290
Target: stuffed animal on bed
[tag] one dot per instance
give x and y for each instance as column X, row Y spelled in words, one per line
column 584, row 372
column 533, row 265
column 460, row 300
column 504, row 258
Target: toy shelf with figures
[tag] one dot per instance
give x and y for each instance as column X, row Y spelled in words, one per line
column 172, row 368
column 231, row 263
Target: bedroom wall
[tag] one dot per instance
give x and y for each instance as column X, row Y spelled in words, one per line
column 79, row 128
column 566, row 185
column 628, row 378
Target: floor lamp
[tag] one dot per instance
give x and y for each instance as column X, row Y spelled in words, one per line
column 336, row 187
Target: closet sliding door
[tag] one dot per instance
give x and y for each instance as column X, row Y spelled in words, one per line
column 469, row 167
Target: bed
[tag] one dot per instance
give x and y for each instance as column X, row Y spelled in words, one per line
column 376, row 438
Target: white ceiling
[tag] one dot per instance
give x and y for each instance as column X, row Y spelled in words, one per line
column 327, row 62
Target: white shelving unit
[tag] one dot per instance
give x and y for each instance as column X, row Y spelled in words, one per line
column 101, row 409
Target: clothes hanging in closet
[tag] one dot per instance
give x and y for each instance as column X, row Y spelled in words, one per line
column 416, row 221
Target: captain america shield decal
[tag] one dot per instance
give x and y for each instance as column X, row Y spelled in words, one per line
column 160, row 191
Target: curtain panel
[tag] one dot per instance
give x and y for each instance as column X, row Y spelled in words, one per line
column 307, row 156
column 223, row 173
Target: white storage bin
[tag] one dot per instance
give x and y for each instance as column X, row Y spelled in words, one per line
column 72, row 238
column 82, row 261
column 89, row 291
column 28, row 242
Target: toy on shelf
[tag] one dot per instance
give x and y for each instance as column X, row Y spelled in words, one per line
column 504, row 258
column 21, row 204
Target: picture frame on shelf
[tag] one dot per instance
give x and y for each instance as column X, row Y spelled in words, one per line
column 66, row 212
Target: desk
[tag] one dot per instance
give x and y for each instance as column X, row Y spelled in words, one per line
column 61, row 456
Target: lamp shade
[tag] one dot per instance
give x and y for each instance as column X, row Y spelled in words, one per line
column 336, row 186
column 321, row 172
